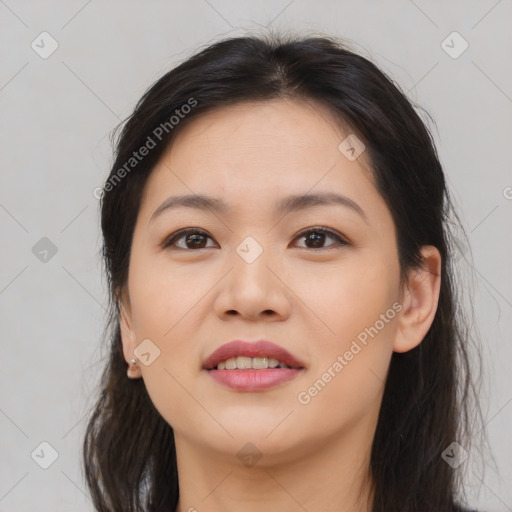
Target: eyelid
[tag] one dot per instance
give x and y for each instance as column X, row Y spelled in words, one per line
column 341, row 240
column 177, row 235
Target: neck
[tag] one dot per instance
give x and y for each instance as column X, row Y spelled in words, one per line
column 331, row 477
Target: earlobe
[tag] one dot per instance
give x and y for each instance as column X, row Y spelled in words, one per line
column 420, row 296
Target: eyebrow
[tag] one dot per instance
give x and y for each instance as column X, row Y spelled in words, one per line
column 284, row 206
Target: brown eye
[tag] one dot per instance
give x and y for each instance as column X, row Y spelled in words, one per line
column 316, row 237
column 192, row 239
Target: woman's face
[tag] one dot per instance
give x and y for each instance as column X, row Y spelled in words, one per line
column 252, row 271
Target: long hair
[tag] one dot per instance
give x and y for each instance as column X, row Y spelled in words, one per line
column 128, row 451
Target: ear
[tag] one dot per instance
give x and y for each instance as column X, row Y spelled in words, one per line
column 128, row 337
column 419, row 298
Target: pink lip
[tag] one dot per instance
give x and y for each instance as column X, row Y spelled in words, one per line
column 260, row 348
column 252, row 380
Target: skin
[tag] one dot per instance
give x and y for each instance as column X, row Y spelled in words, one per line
column 313, row 302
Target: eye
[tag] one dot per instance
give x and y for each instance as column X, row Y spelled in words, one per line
column 193, row 239
column 317, row 237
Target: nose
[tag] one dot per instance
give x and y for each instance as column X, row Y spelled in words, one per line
column 254, row 291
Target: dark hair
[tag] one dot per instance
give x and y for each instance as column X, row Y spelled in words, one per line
column 129, row 453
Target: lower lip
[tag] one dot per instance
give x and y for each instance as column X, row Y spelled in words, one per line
column 253, row 380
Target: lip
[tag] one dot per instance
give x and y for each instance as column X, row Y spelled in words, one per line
column 259, row 348
column 252, row 380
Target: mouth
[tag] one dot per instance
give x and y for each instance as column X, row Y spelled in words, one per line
column 250, row 363
column 245, row 366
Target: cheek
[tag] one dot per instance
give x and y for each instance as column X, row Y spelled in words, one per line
column 163, row 311
column 164, row 293
column 347, row 380
column 343, row 299
column 352, row 356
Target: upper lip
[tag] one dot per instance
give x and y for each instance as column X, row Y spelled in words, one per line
column 261, row 348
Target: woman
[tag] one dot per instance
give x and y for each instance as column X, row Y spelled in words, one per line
column 285, row 333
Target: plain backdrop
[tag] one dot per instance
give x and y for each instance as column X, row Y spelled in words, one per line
column 72, row 70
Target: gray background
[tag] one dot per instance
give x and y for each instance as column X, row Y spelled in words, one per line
column 57, row 113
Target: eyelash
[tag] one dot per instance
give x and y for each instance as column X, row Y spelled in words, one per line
column 340, row 241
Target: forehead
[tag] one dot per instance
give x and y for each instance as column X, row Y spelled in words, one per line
column 294, row 128
column 256, row 153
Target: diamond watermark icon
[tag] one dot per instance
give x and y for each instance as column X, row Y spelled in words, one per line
column 249, row 455
column 44, row 45
column 454, row 455
column 454, row 45
column 44, row 250
column 351, row 147
column 44, row 455
column 249, row 250
column 146, row 352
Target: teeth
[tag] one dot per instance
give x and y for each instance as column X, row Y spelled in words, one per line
column 231, row 364
column 248, row 363
column 273, row 363
column 243, row 362
column 259, row 362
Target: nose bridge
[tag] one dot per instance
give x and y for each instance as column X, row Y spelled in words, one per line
column 251, row 287
column 250, row 265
